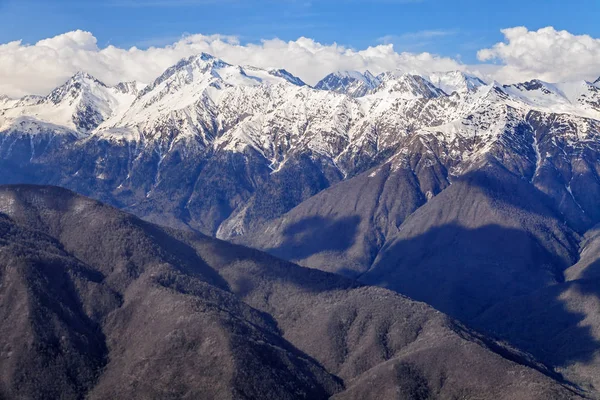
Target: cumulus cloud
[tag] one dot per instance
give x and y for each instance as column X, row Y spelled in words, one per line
column 546, row 54
column 39, row 67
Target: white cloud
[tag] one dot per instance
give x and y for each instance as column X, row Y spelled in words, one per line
column 38, row 68
column 545, row 54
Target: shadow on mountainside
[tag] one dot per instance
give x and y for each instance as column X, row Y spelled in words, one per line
column 502, row 187
column 498, row 280
column 559, row 325
column 451, row 282
column 464, row 271
column 317, row 234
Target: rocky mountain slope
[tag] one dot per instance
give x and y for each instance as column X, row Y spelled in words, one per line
column 468, row 195
column 490, row 241
column 223, row 148
column 96, row 303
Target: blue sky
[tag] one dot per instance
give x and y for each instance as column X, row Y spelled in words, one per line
column 451, row 28
column 44, row 42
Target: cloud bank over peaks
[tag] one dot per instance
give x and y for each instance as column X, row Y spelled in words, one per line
column 546, row 54
column 38, row 68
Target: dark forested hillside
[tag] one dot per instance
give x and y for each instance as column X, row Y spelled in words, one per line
column 96, row 303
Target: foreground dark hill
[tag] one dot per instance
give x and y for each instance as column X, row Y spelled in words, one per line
column 96, row 303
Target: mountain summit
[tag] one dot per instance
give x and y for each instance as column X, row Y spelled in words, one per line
column 456, row 81
column 78, row 107
column 352, row 83
column 399, row 84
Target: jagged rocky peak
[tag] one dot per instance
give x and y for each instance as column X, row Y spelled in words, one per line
column 570, row 91
column 406, row 86
column 79, row 105
column 574, row 97
column 371, row 78
column 6, row 101
column 282, row 73
column 78, row 83
column 456, row 81
column 253, row 76
column 204, row 70
column 537, row 93
column 357, row 84
column 597, row 81
column 352, row 83
column 28, row 100
column 533, row 85
column 186, row 67
column 131, row 87
column 202, row 60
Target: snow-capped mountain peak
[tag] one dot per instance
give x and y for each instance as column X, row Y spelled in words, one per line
column 131, row 87
column 397, row 84
column 282, row 73
column 456, row 81
column 78, row 85
column 79, row 106
column 352, row 83
column 185, row 100
column 535, row 85
column 6, row 102
column 371, row 78
column 578, row 97
column 183, row 72
column 197, row 73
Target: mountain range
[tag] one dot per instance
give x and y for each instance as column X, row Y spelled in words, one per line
column 480, row 199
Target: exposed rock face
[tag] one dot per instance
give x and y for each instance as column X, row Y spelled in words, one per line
column 223, row 148
column 352, row 83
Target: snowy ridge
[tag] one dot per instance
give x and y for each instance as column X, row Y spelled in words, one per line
column 132, row 87
column 397, row 84
column 282, row 73
column 579, row 98
column 204, row 102
column 79, row 106
column 197, row 97
column 7, row 102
